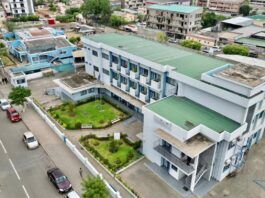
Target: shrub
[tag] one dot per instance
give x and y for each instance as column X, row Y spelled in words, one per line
column 78, row 125
column 113, row 146
column 95, row 142
column 118, row 161
column 116, row 21
column 236, row 49
column 191, row 44
column 130, row 155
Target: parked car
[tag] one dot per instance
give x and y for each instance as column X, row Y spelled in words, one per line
column 13, row 115
column 72, row 194
column 4, row 104
column 30, row 140
column 59, row 180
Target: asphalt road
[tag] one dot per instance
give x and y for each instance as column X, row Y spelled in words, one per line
column 22, row 171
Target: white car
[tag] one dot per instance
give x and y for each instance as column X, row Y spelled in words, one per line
column 4, row 104
column 72, row 194
column 30, row 140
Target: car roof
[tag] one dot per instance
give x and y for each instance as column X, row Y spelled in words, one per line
column 11, row 109
column 72, row 194
column 28, row 134
column 3, row 100
column 57, row 172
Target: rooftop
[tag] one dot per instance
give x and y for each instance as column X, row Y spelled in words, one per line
column 245, row 74
column 248, row 30
column 185, row 62
column 240, row 21
column 259, row 17
column 252, row 41
column 188, row 114
column 176, row 8
column 78, row 80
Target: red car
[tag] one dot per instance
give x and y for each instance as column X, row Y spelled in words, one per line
column 13, row 115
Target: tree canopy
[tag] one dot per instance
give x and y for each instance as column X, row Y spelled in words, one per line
column 116, row 21
column 210, row 19
column 94, row 187
column 98, row 10
column 245, row 10
column 236, row 49
column 191, row 44
column 18, row 95
column 161, row 37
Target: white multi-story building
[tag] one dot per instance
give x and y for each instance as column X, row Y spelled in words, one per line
column 201, row 114
column 18, row 7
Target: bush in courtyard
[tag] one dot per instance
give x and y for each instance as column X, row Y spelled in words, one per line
column 114, row 146
column 118, row 161
column 191, row 44
column 236, row 49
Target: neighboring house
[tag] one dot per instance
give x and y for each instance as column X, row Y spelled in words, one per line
column 204, row 40
column 259, row 20
column 259, row 4
column 18, row 8
column 40, row 49
column 127, row 14
column 228, row 6
column 134, row 4
column 206, row 113
column 175, row 20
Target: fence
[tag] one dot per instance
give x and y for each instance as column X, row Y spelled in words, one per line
column 72, row 147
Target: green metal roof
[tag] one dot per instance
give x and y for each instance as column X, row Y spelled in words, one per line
column 188, row 114
column 176, row 8
column 259, row 17
column 185, row 62
column 252, row 41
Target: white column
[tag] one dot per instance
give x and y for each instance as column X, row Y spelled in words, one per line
column 193, row 178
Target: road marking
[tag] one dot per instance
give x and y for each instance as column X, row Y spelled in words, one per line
column 25, row 190
column 3, row 147
column 14, row 168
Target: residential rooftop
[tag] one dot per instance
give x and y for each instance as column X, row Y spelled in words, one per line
column 259, row 17
column 78, row 80
column 245, row 74
column 188, row 114
column 183, row 61
column 252, row 41
column 175, row 8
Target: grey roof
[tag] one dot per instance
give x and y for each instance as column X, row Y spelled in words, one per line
column 240, row 21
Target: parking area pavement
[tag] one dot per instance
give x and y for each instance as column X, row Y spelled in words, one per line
column 146, row 183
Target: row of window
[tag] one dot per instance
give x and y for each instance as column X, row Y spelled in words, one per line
column 87, row 91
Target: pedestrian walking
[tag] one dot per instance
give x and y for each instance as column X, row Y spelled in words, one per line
column 3, row 81
column 81, row 172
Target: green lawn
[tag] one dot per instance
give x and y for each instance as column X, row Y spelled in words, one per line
column 102, row 147
column 95, row 113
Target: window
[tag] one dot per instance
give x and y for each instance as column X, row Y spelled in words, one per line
column 133, row 67
column 133, row 84
column 105, row 56
column 95, row 53
column 106, row 72
column 171, row 81
column 84, row 92
column 156, row 77
column 115, row 59
column 226, row 167
column 20, row 81
column 174, row 167
column 92, row 90
column 95, row 68
column 124, row 63
column 143, row 72
column 123, row 80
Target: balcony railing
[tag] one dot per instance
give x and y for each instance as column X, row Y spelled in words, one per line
column 174, row 159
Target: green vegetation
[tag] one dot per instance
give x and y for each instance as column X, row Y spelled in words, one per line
column 94, row 187
column 39, row 2
column 161, row 37
column 69, row 16
column 210, row 19
column 114, row 154
column 116, row 21
column 141, row 17
column 98, row 10
column 245, row 10
column 52, row 7
column 97, row 113
column 236, row 49
column 75, row 40
column 18, row 95
column 191, row 44
column 25, row 18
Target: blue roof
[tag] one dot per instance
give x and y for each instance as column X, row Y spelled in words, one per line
column 176, row 8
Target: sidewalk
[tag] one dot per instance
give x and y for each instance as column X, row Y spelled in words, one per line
column 61, row 155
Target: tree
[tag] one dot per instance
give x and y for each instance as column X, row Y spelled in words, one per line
column 141, row 17
column 191, row 44
column 18, row 95
column 116, row 21
column 97, row 10
column 210, row 19
column 10, row 26
column 236, row 49
column 161, row 37
column 53, row 7
column 94, row 187
column 244, row 10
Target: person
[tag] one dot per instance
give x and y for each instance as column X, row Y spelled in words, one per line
column 81, row 172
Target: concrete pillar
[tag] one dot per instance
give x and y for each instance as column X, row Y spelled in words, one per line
column 193, row 178
column 163, row 85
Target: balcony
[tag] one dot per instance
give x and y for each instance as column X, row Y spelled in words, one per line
column 174, row 160
column 142, row 97
column 132, row 91
column 143, row 79
column 115, row 82
column 156, row 84
column 115, row 66
column 133, row 75
column 123, row 87
column 123, row 70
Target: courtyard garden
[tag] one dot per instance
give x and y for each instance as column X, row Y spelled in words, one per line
column 91, row 114
column 114, row 154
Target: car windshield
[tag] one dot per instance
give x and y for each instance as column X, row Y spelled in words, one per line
column 61, row 179
column 31, row 139
column 14, row 113
column 5, row 103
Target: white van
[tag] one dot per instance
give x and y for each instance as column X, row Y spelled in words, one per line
column 72, row 194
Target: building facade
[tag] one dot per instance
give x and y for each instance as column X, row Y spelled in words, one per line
column 206, row 113
column 175, row 20
column 229, row 6
column 18, row 7
column 259, row 4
